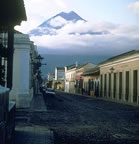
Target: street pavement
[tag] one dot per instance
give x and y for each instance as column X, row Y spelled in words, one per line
column 75, row 119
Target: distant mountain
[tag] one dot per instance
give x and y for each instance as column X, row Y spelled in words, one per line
column 56, row 22
column 71, row 16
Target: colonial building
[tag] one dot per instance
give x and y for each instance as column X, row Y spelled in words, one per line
column 59, row 73
column 14, row 15
column 79, row 78
column 119, row 78
column 59, row 82
column 91, row 81
column 70, row 75
column 11, row 13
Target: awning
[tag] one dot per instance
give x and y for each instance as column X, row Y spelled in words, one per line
column 92, row 72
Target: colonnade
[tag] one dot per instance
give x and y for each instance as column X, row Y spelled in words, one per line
column 121, row 86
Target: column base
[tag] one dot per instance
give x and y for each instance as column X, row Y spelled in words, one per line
column 22, row 100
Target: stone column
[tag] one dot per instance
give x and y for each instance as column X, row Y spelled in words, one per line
column 20, row 91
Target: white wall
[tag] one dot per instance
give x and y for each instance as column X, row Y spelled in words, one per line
column 21, row 71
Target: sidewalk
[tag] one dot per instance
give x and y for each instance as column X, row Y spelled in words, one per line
column 30, row 133
column 33, row 135
column 38, row 104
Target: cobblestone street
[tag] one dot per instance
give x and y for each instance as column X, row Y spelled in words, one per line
column 75, row 119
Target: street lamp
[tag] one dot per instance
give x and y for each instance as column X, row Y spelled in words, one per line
column 112, row 69
column 39, row 57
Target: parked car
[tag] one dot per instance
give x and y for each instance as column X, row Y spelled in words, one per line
column 50, row 91
column 42, row 88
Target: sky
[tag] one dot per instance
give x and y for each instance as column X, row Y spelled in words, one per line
column 120, row 18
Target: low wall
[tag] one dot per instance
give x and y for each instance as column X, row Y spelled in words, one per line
column 7, row 117
column 4, row 102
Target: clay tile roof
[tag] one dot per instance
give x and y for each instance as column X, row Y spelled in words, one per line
column 121, row 56
column 92, row 71
column 82, row 65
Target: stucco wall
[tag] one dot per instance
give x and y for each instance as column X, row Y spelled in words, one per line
column 127, row 65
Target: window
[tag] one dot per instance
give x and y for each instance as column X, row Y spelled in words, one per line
column 114, row 86
column 127, row 86
column 135, row 84
column 120, row 85
column 101, row 87
column 109, row 85
column 105, row 85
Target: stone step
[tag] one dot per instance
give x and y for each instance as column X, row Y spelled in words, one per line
column 22, row 119
column 33, row 135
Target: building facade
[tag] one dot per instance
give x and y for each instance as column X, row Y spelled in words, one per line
column 59, row 82
column 70, row 75
column 11, row 13
column 80, row 78
column 119, row 78
column 14, row 15
column 91, row 81
column 23, row 75
column 59, row 73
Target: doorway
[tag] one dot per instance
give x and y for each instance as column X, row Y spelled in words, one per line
column 135, row 85
column 127, row 86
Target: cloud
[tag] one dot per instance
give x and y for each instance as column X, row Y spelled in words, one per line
column 85, row 27
column 102, row 37
column 134, row 6
column 58, row 22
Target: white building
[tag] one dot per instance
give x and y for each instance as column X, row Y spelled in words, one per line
column 23, row 75
column 59, row 73
column 70, row 74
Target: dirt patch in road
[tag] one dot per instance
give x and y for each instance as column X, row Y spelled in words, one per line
column 80, row 135
column 90, row 135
